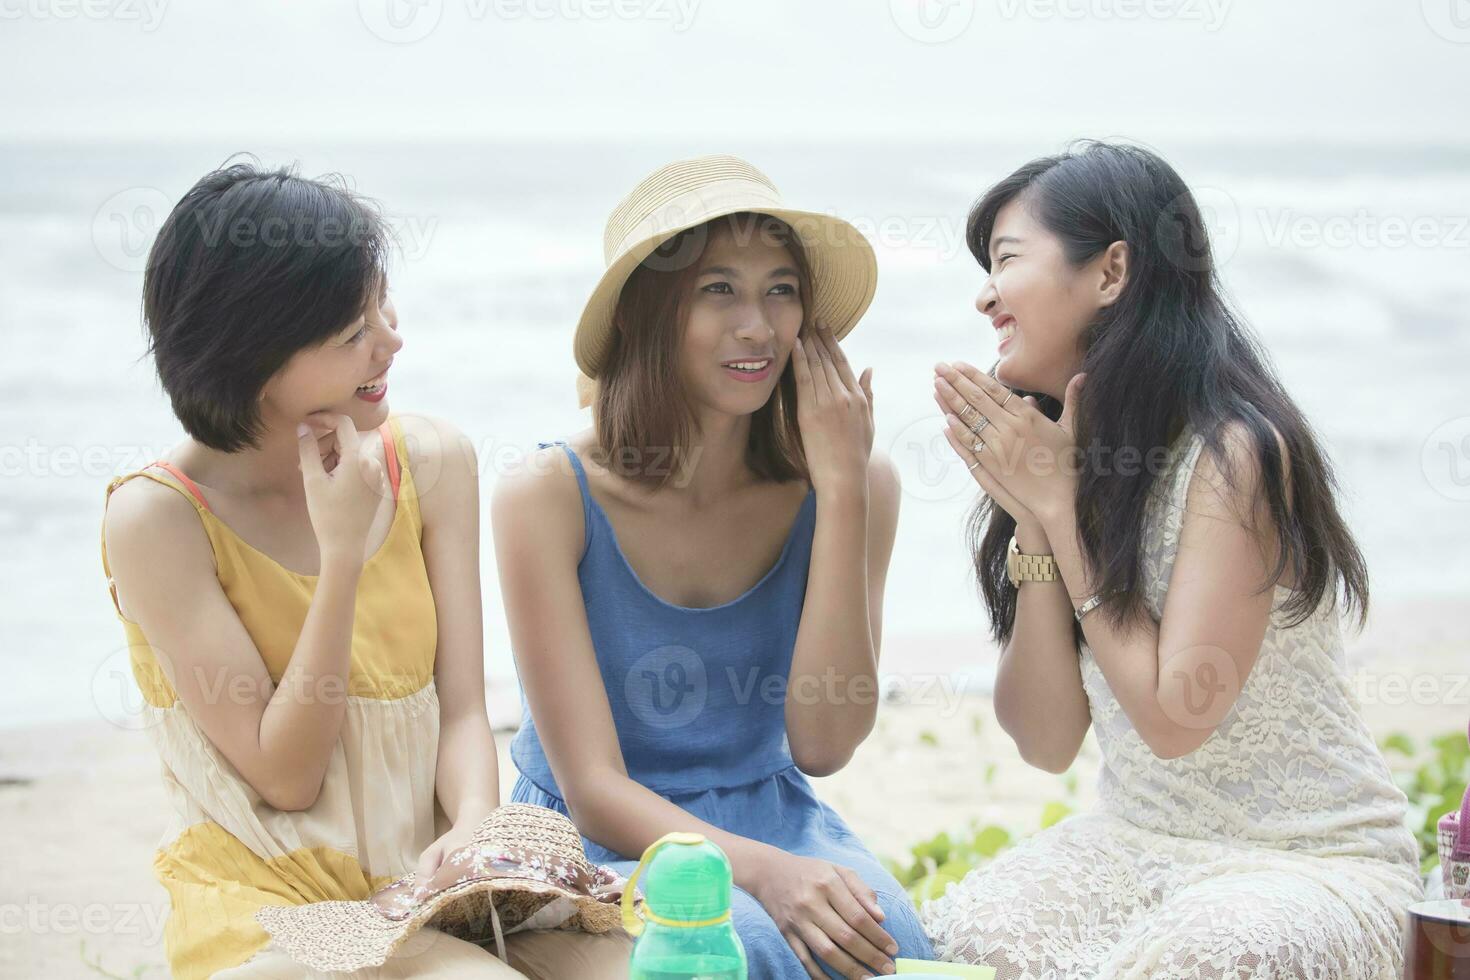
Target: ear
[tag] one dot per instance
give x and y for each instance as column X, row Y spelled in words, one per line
column 1114, row 268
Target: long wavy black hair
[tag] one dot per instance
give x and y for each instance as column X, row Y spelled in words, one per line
column 1168, row 353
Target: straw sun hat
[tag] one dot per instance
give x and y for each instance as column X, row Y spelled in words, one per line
column 523, row 868
column 687, row 193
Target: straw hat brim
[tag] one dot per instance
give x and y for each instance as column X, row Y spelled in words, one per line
column 346, row 936
column 844, row 273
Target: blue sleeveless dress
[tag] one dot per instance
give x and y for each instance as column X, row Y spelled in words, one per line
column 698, row 700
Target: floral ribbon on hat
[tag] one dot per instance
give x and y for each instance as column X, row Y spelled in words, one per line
column 479, row 861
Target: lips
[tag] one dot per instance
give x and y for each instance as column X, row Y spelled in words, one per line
column 376, row 381
column 750, row 369
column 1005, row 328
column 374, row 389
column 372, row 394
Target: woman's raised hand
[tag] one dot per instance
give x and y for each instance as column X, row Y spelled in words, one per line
column 1023, row 460
column 834, row 411
column 343, row 502
column 961, row 417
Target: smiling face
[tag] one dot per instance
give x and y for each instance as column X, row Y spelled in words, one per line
column 347, row 374
column 743, row 314
column 1039, row 303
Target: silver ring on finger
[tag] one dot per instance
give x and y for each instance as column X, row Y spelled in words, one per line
column 973, row 465
column 977, row 447
column 979, row 426
column 967, row 412
column 1009, row 396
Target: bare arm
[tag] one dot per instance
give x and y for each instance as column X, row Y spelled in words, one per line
column 279, row 738
column 467, row 779
column 1039, row 697
column 1177, row 680
column 831, row 698
column 831, row 702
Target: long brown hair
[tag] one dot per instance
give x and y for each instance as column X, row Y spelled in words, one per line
column 642, row 412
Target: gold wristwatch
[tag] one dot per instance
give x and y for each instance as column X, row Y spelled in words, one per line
column 1029, row 568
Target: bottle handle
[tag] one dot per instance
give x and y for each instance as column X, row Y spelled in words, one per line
column 632, row 921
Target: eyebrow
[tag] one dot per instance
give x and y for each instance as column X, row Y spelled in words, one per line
column 1002, row 240
column 725, row 270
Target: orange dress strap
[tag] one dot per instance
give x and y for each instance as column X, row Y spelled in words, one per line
column 178, row 474
column 184, row 486
column 390, row 457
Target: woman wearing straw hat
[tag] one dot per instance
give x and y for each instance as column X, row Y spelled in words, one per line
column 694, row 585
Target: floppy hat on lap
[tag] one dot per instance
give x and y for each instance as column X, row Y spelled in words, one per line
column 523, row 868
column 687, row 193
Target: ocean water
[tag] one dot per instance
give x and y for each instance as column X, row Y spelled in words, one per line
column 1350, row 262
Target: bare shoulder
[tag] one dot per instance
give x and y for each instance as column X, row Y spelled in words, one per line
column 431, row 441
column 445, row 470
column 154, row 538
column 538, row 494
column 144, row 514
column 1231, row 478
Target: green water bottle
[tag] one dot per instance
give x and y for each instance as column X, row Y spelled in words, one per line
column 683, row 928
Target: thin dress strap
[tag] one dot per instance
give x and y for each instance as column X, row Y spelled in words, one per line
column 1188, row 457
column 184, row 486
column 189, row 484
column 390, row 457
column 582, row 486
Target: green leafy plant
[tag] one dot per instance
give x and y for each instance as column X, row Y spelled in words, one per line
column 943, row 859
column 1433, row 779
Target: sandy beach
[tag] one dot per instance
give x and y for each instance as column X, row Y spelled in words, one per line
column 80, row 802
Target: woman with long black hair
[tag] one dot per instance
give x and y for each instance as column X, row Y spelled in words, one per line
column 1161, row 556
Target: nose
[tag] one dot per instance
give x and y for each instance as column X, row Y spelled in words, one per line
column 392, row 340
column 754, row 326
column 985, row 302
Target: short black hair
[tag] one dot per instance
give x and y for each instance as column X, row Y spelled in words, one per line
column 250, row 267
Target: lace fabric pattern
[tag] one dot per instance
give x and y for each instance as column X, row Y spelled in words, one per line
column 1276, row 849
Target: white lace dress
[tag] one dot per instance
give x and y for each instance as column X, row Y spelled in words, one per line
column 1278, row 849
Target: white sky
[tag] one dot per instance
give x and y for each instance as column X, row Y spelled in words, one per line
column 1370, row 71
